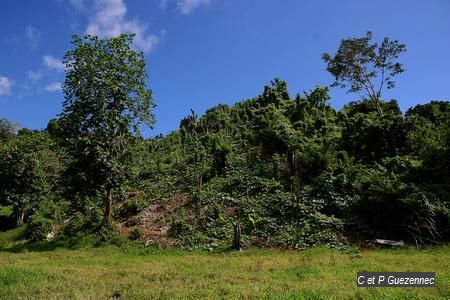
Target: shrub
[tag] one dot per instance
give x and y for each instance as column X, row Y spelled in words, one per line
column 38, row 227
column 134, row 206
column 179, row 228
column 136, row 233
column 107, row 233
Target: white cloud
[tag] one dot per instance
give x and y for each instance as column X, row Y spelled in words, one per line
column 187, row 6
column 35, row 75
column 53, row 63
column 33, row 36
column 109, row 21
column 5, row 85
column 53, row 87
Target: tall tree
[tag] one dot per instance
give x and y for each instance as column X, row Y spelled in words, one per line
column 106, row 102
column 366, row 68
column 23, row 172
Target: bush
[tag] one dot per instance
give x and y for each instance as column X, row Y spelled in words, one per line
column 74, row 227
column 179, row 228
column 136, row 233
column 134, row 206
column 80, row 224
column 107, row 232
column 38, row 227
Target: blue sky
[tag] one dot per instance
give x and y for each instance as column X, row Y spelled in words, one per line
column 200, row 53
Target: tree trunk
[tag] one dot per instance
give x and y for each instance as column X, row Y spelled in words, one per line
column 19, row 216
column 379, row 109
column 237, row 236
column 108, row 205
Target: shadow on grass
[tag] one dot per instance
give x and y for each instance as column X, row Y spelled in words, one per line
column 21, row 245
column 6, row 222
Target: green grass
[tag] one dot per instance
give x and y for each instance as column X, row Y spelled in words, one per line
column 6, row 211
column 137, row 273
column 12, row 237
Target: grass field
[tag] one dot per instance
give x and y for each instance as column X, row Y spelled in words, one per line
column 137, row 273
column 52, row 271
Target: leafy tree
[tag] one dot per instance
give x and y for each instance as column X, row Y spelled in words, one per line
column 7, row 129
column 23, row 172
column 366, row 68
column 371, row 138
column 106, row 101
column 437, row 112
column 275, row 93
column 366, row 106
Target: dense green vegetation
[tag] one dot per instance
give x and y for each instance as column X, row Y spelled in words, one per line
column 290, row 171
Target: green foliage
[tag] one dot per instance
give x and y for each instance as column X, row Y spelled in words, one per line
column 8, row 129
column 38, row 227
column 296, row 174
column 108, row 233
column 293, row 172
column 368, row 137
column 134, row 206
column 366, row 68
column 437, row 112
column 106, row 100
column 179, row 228
column 89, row 221
column 26, row 171
column 75, row 227
column 136, row 233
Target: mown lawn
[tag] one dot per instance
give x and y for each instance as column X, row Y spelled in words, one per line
column 108, row 272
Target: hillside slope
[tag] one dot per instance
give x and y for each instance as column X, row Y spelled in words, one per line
column 295, row 173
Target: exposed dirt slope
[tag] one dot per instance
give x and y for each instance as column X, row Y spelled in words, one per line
column 154, row 220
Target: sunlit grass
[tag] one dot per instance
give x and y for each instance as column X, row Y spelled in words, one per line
column 151, row 273
column 11, row 236
column 6, row 211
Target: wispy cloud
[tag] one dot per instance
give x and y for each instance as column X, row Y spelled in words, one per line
column 29, row 36
column 187, row 6
column 163, row 4
column 33, row 36
column 109, row 21
column 35, row 75
column 53, row 63
column 5, row 85
column 53, row 87
column 79, row 5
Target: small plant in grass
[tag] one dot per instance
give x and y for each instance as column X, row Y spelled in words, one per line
column 136, row 233
column 134, row 206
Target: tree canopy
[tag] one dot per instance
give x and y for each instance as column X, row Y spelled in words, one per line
column 7, row 129
column 366, row 68
column 106, row 100
column 24, row 180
